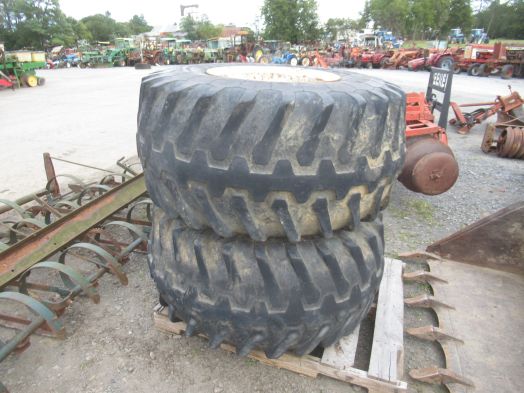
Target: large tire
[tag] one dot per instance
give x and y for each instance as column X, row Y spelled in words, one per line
column 474, row 69
column 275, row 295
column 484, row 70
column 507, row 71
column 270, row 160
column 446, row 62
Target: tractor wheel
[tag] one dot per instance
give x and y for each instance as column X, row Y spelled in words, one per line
column 384, row 62
column 264, row 60
column 507, row 71
column 305, row 62
column 473, row 69
column 275, row 296
column 122, row 63
column 446, row 62
column 228, row 149
column 81, row 65
column 30, row 80
column 484, row 70
column 41, row 81
column 293, row 62
column 369, row 65
column 456, row 69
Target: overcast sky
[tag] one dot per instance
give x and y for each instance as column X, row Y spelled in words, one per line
column 162, row 12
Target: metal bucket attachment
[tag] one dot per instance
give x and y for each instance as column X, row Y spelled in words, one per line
column 496, row 241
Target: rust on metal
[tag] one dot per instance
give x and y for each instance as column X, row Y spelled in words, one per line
column 421, row 276
column 50, row 239
column 439, row 376
column 431, row 333
column 430, row 167
column 510, row 144
column 425, row 301
column 496, row 241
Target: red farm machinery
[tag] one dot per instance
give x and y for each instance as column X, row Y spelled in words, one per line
column 430, row 167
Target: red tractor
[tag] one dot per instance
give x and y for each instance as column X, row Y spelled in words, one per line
column 371, row 59
column 445, row 59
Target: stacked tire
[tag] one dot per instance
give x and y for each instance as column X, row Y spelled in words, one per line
column 268, row 182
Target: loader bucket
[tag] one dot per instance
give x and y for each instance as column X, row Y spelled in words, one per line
column 496, row 241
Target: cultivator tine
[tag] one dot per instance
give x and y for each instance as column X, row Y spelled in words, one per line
column 431, row 333
column 425, row 301
column 146, row 202
column 103, row 259
column 16, row 207
column 439, row 376
column 104, row 251
column 91, row 190
column 75, row 281
column 43, row 316
column 422, row 276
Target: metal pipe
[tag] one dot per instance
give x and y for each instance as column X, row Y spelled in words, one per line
column 23, row 200
column 22, row 335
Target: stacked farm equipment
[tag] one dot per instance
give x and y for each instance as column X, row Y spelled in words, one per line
column 18, row 68
column 506, row 135
column 485, row 60
column 402, row 57
column 435, row 58
column 56, row 244
column 430, row 167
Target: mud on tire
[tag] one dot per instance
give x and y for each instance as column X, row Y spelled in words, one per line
column 270, row 159
column 275, row 295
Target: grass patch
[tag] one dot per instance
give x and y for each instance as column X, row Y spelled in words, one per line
column 422, row 209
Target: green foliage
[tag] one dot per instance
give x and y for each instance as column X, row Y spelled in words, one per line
column 460, row 15
column 502, row 19
column 291, row 20
column 199, row 29
column 138, row 25
column 424, row 19
column 40, row 24
column 390, row 14
column 101, row 27
column 339, row 27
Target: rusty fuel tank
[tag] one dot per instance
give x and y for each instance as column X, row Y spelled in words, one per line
column 430, row 167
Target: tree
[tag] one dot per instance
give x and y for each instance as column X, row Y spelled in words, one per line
column 390, row 14
column 188, row 26
column 460, row 15
column 365, row 15
column 201, row 29
column 28, row 23
column 138, row 25
column 101, row 27
column 339, row 27
column 502, row 20
column 291, row 20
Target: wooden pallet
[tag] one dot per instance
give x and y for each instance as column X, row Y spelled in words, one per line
column 386, row 363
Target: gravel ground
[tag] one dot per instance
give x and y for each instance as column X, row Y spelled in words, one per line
column 89, row 116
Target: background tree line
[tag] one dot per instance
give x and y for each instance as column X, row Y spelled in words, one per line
column 297, row 20
column 425, row 19
column 40, row 24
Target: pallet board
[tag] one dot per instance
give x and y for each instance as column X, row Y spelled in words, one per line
column 386, row 363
